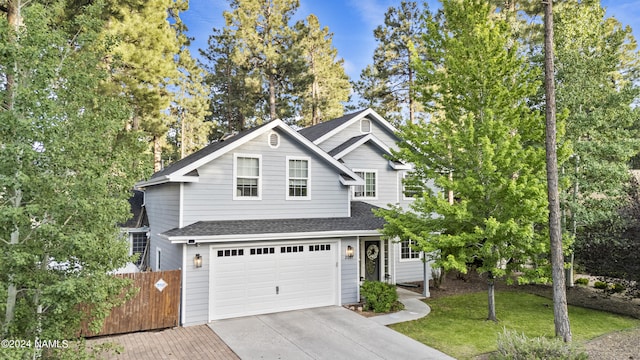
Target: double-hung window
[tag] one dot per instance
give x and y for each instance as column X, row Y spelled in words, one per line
column 368, row 190
column 298, row 178
column 247, row 177
column 407, row 252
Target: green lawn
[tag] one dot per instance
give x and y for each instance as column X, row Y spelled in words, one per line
column 457, row 325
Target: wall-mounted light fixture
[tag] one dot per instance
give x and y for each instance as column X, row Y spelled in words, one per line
column 197, row 261
column 349, row 252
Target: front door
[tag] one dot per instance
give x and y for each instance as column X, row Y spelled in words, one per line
column 372, row 260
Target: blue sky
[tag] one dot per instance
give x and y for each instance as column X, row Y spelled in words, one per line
column 352, row 23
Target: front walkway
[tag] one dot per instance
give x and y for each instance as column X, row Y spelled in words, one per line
column 192, row 343
column 414, row 309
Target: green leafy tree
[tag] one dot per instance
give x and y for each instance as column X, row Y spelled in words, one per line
column 597, row 72
column 329, row 87
column 483, row 143
column 375, row 93
column 65, row 175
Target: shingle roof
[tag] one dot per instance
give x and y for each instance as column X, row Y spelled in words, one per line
column 345, row 145
column 362, row 218
column 139, row 215
column 314, row 132
column 203, row 153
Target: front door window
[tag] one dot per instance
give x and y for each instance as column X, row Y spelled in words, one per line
column 372, row 260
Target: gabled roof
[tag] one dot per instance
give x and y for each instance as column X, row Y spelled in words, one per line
column 184, row 170
column 348, row 146
column 323, row 131
column 138, row 212
column 361, row 222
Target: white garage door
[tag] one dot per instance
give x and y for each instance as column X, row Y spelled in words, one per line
column 251, row 280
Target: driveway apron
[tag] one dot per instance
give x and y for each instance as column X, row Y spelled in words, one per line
column 323, row 333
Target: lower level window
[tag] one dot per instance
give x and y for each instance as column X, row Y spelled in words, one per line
column 406, row 250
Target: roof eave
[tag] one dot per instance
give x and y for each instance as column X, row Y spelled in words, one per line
column 269, row 236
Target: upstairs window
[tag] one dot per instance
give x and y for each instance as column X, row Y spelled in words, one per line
column 368, row 190
column 298, row 177
column 247, row 180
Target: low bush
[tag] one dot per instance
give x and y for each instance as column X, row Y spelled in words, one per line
column 379, row 296
column 618, row 288
column 600, row 285
column 514, row 346
column 582, row 281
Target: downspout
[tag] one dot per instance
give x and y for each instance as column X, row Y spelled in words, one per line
column 183, row 287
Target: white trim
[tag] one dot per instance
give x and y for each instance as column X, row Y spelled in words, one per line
column 271, row 133
column 376, row 184
column 369, row 137
column 181, row 206
column 267, row 237
column 369, row 112
column 370, row 126
column 235, row 176
column 308, row 178
column 183, row 301
column 402, row 166
column 179, row 174
column 411, row 251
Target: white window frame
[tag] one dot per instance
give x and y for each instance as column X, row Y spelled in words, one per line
column 287, row 178
column 272, row 133
column 411, row 252
column 235, row 177
column 370, row 126
column 403, row 187
column 377, row 181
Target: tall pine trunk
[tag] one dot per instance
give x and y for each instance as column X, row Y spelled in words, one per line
column 560, row 311
column 272, row 97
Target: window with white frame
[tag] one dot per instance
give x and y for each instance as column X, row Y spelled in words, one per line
column 138, row 244
column 247, row 181
column 407, row 252
column 409, row 191
column 368, row 190
column 365, row 126
column 298, row 178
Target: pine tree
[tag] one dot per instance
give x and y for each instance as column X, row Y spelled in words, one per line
column 329, row 85
column 483, row 143
column 265, row 43
column 397, row 39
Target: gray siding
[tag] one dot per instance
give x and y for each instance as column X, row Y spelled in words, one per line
column 352, row 130
column 407, row 270
column 196, row 286
column 370, row 157
column 212, row 197
column 349, row 282
column 163, row 207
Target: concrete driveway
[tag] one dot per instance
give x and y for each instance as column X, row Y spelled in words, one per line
column 324, row 333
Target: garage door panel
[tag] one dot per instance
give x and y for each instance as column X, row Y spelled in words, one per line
column 305, row 276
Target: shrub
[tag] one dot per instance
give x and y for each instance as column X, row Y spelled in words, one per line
column 378, row 296
column 514, row 346
column 582, row 281
column 618, row 288
column 600, row 285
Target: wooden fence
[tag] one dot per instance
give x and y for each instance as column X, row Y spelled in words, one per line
column 156, row 306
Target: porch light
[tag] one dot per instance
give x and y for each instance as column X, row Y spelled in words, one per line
column 349, row 252
column 197, row 261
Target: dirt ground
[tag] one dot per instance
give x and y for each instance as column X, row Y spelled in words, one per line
column 613, row 346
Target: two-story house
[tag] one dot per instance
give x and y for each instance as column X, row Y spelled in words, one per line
column 274, row 219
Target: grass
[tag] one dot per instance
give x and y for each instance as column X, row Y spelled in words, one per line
column 457, row 324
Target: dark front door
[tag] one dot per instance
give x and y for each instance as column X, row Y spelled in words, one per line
column 372, row 260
